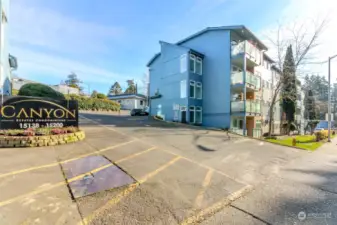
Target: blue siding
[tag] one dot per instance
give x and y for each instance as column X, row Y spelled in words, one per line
column 166, row 77
column 215, row 46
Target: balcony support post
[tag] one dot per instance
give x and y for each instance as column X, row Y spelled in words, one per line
column 244, row 88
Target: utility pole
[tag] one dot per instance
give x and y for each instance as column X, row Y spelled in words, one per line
column 329, row 97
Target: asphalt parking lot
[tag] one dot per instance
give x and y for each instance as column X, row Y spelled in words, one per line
column 177, row 174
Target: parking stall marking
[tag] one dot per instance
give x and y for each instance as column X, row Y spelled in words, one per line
column 216, row 207
column 207, row 180
column 172, row 153
column 64, row 161
column 38, row 191
column 126, row 192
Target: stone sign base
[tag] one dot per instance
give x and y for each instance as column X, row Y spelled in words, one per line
column 39, row 141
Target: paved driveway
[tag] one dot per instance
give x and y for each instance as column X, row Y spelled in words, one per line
column 182, row 175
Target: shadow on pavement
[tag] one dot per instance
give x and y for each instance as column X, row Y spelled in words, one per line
column 303, row 197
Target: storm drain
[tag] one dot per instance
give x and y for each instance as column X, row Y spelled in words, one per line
column 98, row 180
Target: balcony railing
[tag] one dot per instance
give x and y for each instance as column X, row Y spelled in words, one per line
column 251, row 79
column 237, row 131
column 253, row 53
column 257, row 133
column 251, row 106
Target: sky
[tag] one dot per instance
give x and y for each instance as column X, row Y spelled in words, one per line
column 105, row 41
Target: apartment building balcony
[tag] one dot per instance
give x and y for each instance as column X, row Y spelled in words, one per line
column 253, row 82
column 252, row 53
column 252, row 108
column 251, row 129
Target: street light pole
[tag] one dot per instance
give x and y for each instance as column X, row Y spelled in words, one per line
column 329, row 97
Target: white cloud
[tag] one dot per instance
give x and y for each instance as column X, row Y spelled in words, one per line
column 35, row 30
column 307, row 12
column 33, row 63
column 39, row 26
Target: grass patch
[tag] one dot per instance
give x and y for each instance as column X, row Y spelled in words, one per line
column 311, row 146
column 306, row 142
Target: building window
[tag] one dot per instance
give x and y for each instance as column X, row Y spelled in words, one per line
column 198, row 115
column 240, row 124
column 183, row 63
column 192, row 89
column 192, row 63
column 141, row 102
column 192, row 114
column 198, row 90
column 183, row 91
column 235, row 123
column 258, row 124
column 198, row 65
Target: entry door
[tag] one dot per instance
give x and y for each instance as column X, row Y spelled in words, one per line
column 183, row 116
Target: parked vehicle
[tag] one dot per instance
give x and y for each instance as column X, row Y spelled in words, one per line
column 138, row 112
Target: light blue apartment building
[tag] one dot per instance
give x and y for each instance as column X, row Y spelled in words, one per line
column 209, row 79
column 7, row 61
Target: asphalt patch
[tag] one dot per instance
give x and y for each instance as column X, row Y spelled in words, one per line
column 96, row 181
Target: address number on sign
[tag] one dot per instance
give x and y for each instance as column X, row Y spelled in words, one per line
column 54, row 125
column 29, row 125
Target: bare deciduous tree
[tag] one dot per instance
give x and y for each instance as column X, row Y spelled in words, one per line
column 303, row 42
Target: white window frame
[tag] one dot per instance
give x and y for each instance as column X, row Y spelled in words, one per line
column 198, row 60
column 198, row 85
column 198, row 109
column 183, row 89
column 189, row 113
column 192, row 83
column 193, row 58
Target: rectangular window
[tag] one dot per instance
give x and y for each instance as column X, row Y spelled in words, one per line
column 198, row 90
column 198, row 115
column 198, row 66
column 192, row 89
column 235, row 123
column 141, row 102
column 240, row 124
column 192, row 63
column 183, row 91
column 258, row 124
column 183, row 63
column 192, row 114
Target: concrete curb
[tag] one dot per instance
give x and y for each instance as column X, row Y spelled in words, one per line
column 216, row 129
column 40, row 141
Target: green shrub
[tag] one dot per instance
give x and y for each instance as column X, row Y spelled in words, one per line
column 271, row 138
column 158, row 117
column 100, row 95
column 94, row 104
column 321, row 135
column 40, row 90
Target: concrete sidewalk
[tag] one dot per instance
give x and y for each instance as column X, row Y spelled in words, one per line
column 303, row 192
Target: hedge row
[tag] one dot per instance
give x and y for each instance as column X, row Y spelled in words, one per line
column 95, row 104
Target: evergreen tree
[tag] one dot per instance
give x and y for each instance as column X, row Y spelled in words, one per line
column 289, row 93
column 73, row 81
column 115, row 89
column 310, row 110
column 132, row 88
column 94, row 94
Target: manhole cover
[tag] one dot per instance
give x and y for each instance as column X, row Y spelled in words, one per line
column 105, row 179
